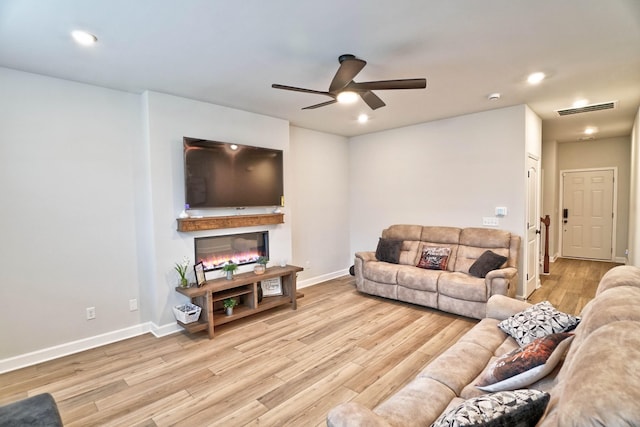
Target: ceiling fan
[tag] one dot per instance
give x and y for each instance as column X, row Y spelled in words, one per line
column 343, row 83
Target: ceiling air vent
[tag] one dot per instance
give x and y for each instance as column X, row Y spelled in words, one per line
column 587, row 108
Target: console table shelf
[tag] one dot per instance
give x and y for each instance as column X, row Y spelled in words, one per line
column 233, row 221
column 243, row 286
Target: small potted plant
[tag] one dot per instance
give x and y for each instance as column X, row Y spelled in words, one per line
column 228, row 305
column 229, row 268
column 181, row 268
column 261, row 265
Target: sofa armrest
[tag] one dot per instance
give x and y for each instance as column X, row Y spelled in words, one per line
column 366, row 256
column 354, row 414
column 502, row 281
column 500, row 307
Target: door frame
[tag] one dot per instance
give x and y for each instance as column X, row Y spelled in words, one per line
column 614, row 220
column 538, row 208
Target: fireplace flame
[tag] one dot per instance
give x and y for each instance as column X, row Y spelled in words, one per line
column 217, row 261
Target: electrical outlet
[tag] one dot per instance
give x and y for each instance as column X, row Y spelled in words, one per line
column 133, row 304
column 91, row 313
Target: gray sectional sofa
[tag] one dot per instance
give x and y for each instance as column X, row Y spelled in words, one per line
column 597, row 383
column 453, row 290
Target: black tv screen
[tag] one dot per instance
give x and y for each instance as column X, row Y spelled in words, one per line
column 226, row 175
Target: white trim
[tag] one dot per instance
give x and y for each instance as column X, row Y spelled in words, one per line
column 323, row 278
column 621, row 260
column 39, row 356
column 46, row 354
column 163, row 331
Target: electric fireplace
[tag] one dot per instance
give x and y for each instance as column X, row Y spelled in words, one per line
column 242, row 249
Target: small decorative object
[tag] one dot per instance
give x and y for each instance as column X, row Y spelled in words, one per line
column 181, row 268
column 187, row 313
column 261, row 265
column 272, row 287
column 198, row 270
column 229, row 268
column 184, row 214
column 228, row 305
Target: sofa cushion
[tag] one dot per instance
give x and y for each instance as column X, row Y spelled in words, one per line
column 537, row 321
column 620, row 303
column 600, row 385
column 388, row 250
column 381, row 272
column 418, row 278
column 463, row 287
column 525, row 365
column 506, row 408
column 434, row 258
column 487, row 262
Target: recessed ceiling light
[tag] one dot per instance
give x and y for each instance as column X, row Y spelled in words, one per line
column 494, row 96
column 590, row 130
column 363, row 118
column 347, row 97
column 234, row 147
column 579, row 103
column 536, row 78
column 84, row 38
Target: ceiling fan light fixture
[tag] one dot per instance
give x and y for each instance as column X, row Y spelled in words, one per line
column 347, row 97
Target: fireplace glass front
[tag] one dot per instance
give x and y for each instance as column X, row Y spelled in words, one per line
column 243, row 248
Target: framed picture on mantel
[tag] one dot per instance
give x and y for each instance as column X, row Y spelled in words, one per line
column 198, row 269
column 272, row 287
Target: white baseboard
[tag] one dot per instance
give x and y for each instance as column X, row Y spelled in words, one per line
column 323, row 278
column 43, row 355
column 39, row 356
column 621, row 260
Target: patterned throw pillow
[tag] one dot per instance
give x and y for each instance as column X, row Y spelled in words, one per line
column 522, row 408
column 537, row 321
column 524, row 366
column 388, row 250
column 434, row 258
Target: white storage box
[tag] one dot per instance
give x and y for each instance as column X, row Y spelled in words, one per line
column 187, row 313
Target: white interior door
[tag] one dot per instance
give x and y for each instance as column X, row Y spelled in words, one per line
column 532, row 244
column 587, row 215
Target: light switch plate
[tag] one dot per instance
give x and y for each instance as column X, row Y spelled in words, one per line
column 490, row 221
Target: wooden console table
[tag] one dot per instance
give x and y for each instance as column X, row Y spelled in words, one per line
column 243, row 286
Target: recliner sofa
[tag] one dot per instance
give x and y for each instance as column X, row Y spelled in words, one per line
column 453, row 290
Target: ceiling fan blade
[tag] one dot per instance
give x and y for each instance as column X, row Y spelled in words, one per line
column 322, row 104
column 372, row 100
column 390, row 84
column 350, row 66
column 299, row 89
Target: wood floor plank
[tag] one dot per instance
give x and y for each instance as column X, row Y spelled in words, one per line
column 281, row 367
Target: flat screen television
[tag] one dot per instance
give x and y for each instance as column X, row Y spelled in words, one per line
column 225, row 175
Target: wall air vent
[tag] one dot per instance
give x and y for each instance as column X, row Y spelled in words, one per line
column 587, row 108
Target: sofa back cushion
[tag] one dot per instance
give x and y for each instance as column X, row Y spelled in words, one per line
column 475, row 241
column 410, row 234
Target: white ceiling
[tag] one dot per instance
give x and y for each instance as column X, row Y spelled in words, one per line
column 230, row 52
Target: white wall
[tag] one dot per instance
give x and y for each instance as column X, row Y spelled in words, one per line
column 550, row 190
column 170, row 118
column 448, row 172
column 320, row 208
column 634, row 195
column 608, row 152
column 68, row 231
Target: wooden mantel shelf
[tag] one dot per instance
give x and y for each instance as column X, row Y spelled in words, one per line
column 233, row 221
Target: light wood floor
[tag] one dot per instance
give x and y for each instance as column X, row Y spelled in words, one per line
column 279, row 368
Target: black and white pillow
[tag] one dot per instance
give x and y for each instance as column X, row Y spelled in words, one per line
column 506, row 408
column 538, row 321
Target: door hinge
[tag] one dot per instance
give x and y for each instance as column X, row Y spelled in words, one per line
column 527, row 277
